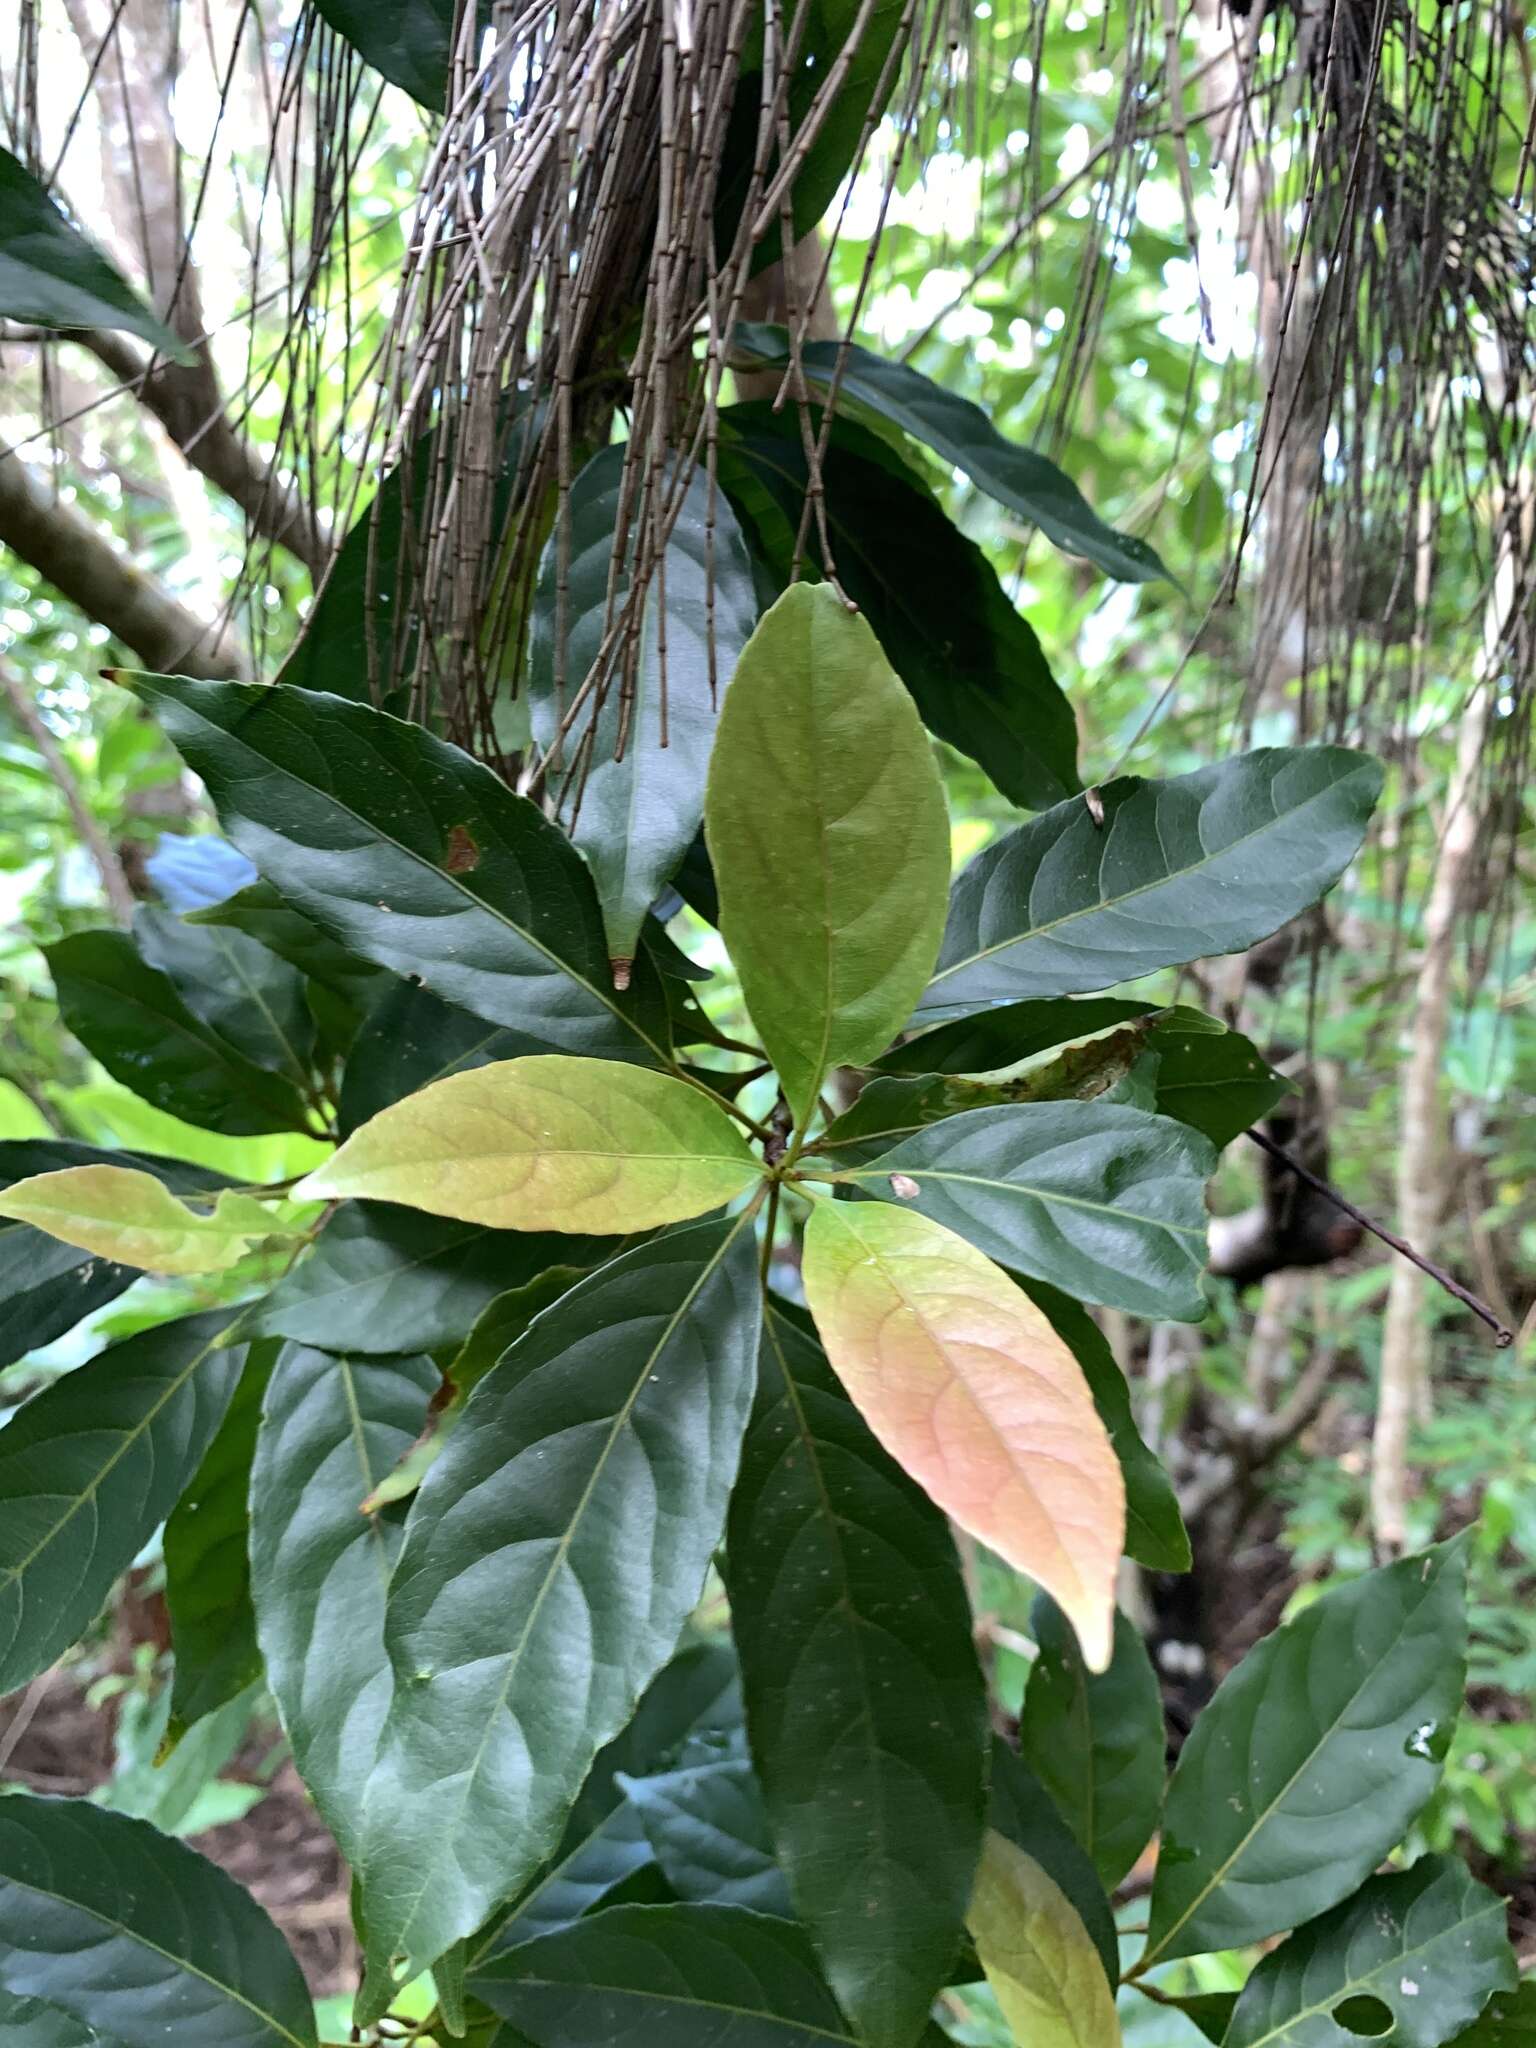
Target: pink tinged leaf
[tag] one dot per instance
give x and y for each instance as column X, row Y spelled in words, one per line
column 969, row 1388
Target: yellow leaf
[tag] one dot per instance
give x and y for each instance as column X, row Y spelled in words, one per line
column 548, row 1143
column 1039, row 1958
column 133, row 1219
column 966, row 1384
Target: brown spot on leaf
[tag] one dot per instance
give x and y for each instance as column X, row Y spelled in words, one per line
column 463, row 854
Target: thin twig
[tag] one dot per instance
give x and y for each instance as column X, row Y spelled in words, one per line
column 1503, row 1335
column 113, row 880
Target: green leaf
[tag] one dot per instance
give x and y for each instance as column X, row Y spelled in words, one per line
column 409, row 41
column 1104, row 1202
column 994, row 1039
column 1155, row 1535
column 46, row 1287
column 865, row 1704
column 331, row 1429
column 828, row 834
column 1428, row 1944
column 207, row 1571
column 245, row 994
column 630, row 777
column 1096, row 1740
column 694, row 1700
column 175, row 1784
column 51, row 276
column 1210, row 1078
column 25, row 2023
column 382, row 1279
column 1022, row 1811
column 1509, row 2022
column 261, row 914
column 407, row 1041
column 89, row 1468
column 610, row 1432
column 130, row 1017
column 688, row 1975
column 706, row 1825
column 974, row 666
column 1312, row 1758
column 414, row 856
column 523, row 1144
column 131, row 1217
column 1038, row 1956
column 1206, row 863
column 961, row 434
column 137, row 1937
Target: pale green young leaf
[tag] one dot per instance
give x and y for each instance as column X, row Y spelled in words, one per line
column 132, row 1218
column 548, row 1143
column 1039, row 1958
column 826, row 825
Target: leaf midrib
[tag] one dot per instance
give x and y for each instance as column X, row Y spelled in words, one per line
column 1018, row 1187
column 1036, row 931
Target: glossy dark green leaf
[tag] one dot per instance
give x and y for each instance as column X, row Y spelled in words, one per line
column 960, row 433
column 1023, row 1811
column 1104, row 1202
column 131, row 1018
column 1509, row 2020
column 708, row 1829
column 691, row 1976
column 994, row 1039
column 27, row 2023
column 1096, row 1740
column 413, row 855
column 262, row 914
column 695, row 1700
column 48, row 1287
column 385, row 1279
column 1206, row 863
column 89, row 1468
column 629, row 775
column 1312, row 1758
column 520, row 1628
column 1428, row 1943
column 138, row 1937
column 1213, row 1079
column 246, row 995
column 207, row 1570
column 1155, row 1535
column 51, row 276
column 408, row 1040
column 972, row 663
column 409, row 41
column 331, row 1429
column 865, row 1703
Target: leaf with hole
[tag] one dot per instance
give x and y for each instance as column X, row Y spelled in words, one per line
column 1312, row 1758
column 207, row 1568
column 973, row 664
column 865, row 1703
column 414, row 856
column 961, row 434
column 137, row 1937
column 131, row 1217
column 829, row 838
column 580, row 1145
column 1415, row 1954
column 331, row 1429
column 1102, row 1201
column 1175, row 871
column 630, row 758
column 972, row 1392
column 691, row 1976
column 51, row 276
column 520, row 1630
column 1096, row 1740
column 1038, row 1956
column 129, row 1016
column 90, row 1467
